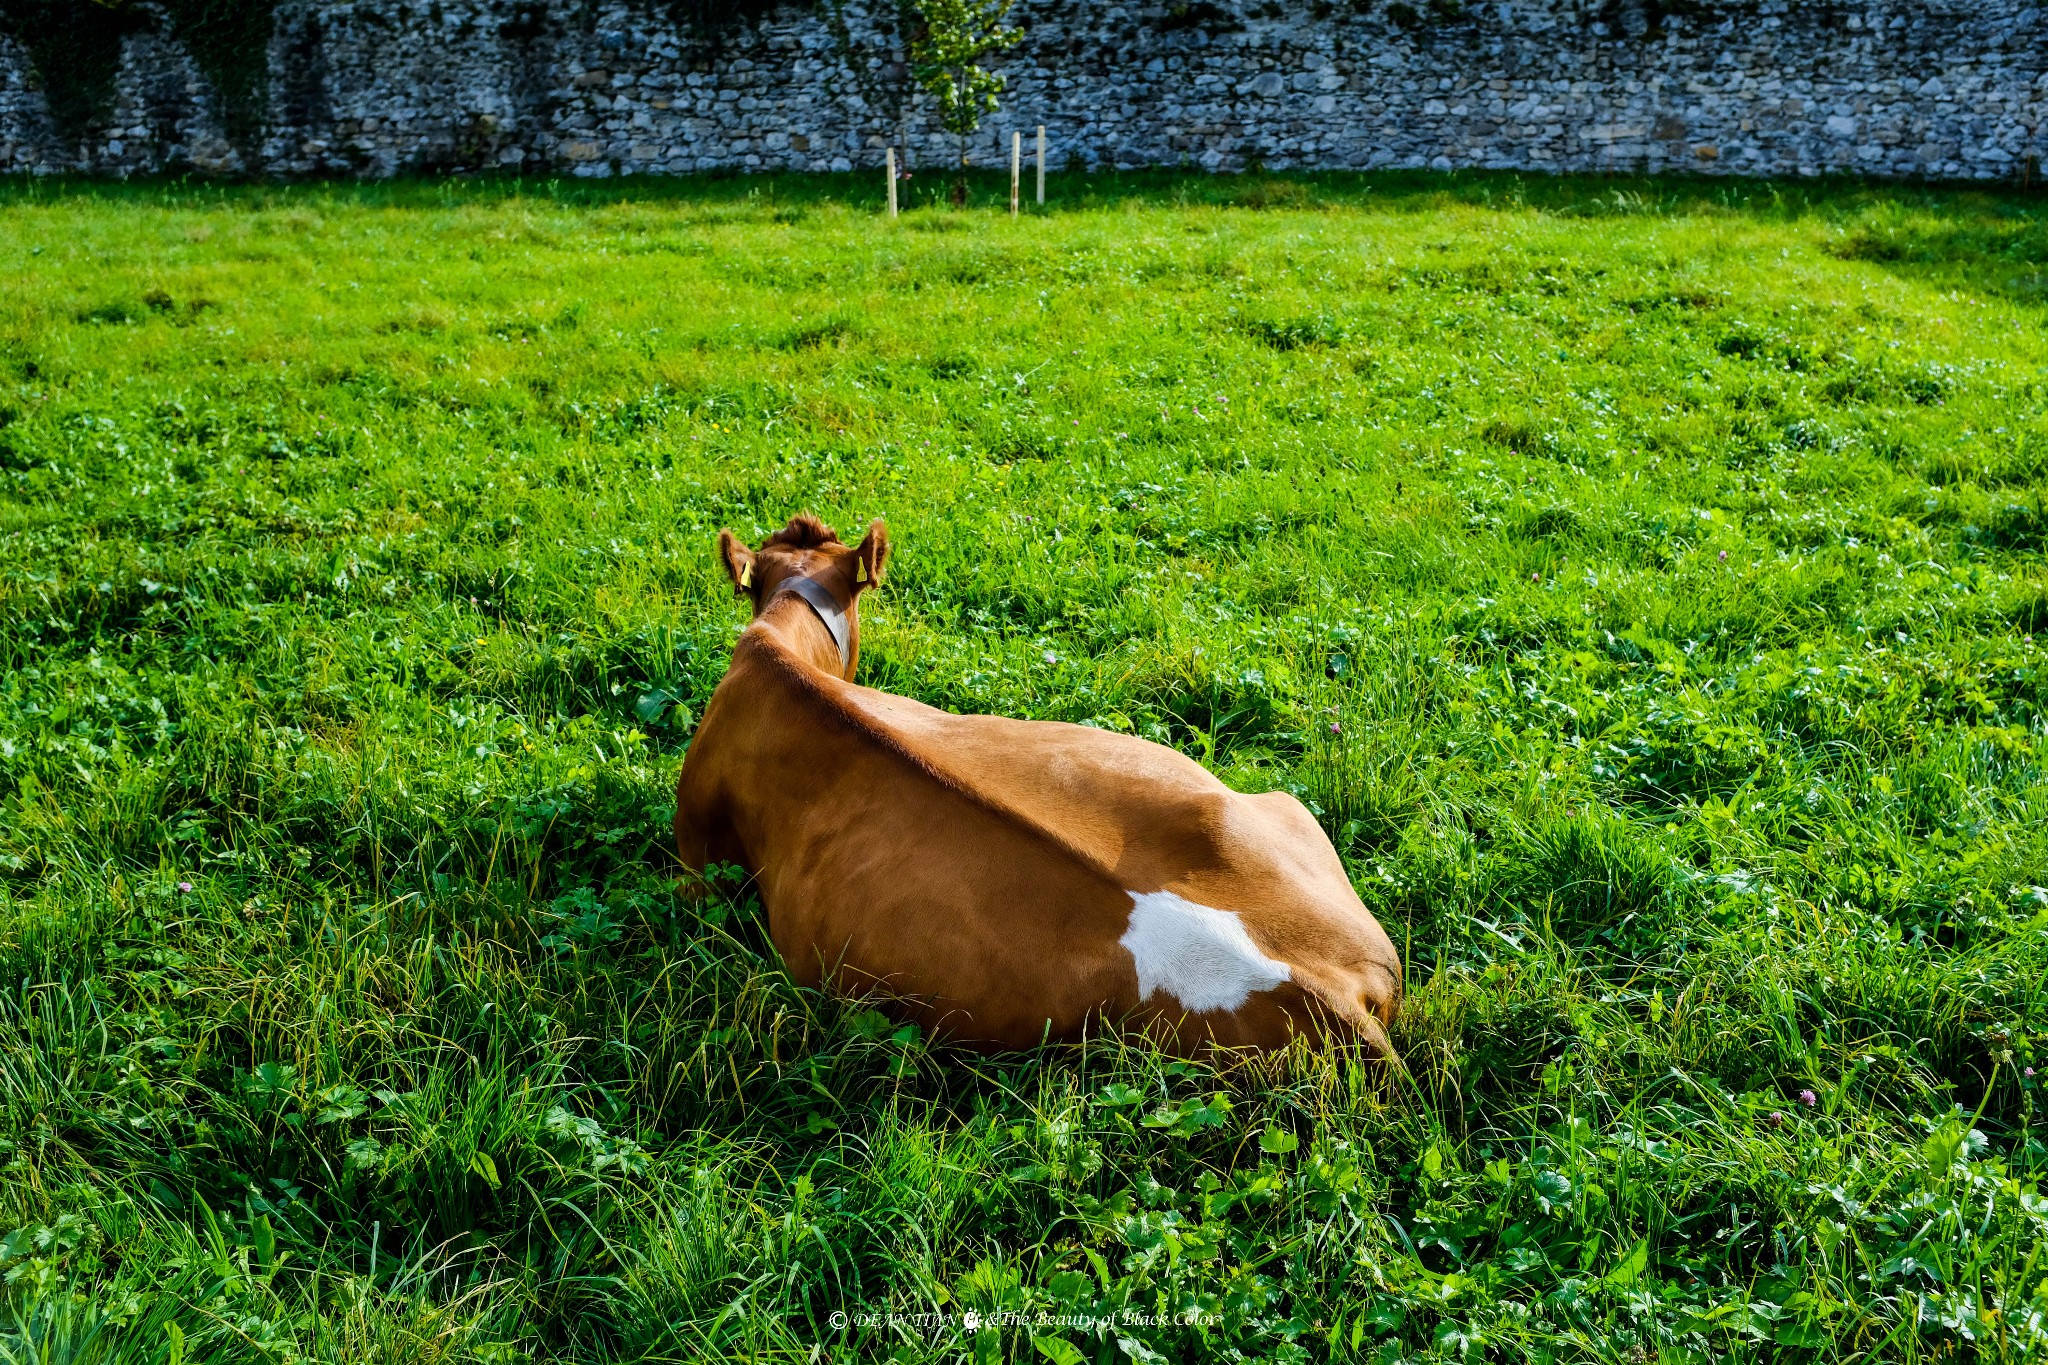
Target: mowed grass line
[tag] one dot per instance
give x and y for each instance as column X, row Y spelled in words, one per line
column 1639, row 579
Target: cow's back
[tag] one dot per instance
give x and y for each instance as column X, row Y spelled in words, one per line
column 1012, row 878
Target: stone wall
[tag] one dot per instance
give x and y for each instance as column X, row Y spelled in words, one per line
column 1948, row 89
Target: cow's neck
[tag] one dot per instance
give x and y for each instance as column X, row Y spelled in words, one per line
column 797, row 627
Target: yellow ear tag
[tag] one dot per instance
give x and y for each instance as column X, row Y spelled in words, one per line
column 747, row 575
column 860, row 571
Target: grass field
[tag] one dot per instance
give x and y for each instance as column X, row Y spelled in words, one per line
column 1639, row 579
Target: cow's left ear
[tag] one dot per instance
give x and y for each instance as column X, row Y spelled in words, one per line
column 870, row 556
column 738, row 561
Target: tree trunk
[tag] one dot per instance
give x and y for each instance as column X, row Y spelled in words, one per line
column 960, row 184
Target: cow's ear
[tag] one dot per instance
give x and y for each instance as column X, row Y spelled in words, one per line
column 738, row 560
column 870, row 556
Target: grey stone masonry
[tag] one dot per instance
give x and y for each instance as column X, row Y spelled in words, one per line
column 1941, row 89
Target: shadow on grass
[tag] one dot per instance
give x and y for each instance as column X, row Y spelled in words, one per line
column 1974, row 209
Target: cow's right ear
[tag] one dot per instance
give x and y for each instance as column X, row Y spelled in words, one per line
column 739, row 561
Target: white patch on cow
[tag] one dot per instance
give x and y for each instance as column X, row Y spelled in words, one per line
column 1199, row 955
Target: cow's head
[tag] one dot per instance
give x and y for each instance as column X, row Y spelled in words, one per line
column 809, row 549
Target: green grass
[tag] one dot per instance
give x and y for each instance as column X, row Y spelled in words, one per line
column 1638, row 579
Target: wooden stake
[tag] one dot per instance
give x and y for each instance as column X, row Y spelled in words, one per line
column 1041, row 163
column 889, row 167
column 1016, row 159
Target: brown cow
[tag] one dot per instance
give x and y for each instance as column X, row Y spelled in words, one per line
column 1007, row 880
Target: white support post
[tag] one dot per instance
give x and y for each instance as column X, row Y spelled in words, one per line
column 1016, row 159
column 889, row 168
column 1041, row 163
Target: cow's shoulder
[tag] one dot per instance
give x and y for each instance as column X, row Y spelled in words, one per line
column 926, row 754
column 1142, row 812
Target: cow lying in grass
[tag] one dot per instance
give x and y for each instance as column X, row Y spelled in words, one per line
column 1007, row 880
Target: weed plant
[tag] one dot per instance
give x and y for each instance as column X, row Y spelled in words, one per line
column 1640, row 580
